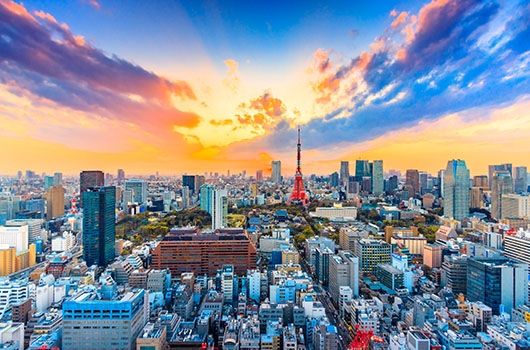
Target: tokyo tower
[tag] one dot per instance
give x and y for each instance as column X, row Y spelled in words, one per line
column 298, row 195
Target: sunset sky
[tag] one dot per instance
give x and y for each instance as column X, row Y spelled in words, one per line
column 194, row 86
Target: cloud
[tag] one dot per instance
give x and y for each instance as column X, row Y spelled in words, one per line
column 44, row 58
column 436, row 67
column 399, row 19
column 232, row 76
column 94, row 4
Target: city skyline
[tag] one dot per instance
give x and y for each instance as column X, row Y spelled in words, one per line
column 152, row 85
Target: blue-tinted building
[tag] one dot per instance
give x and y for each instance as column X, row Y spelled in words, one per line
column 90, row 322
column 99, row 226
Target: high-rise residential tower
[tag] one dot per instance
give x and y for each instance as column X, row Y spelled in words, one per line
column 378, row 180
column 219, row 208
column 344, row 175
column 456, row 190
column 276, row 175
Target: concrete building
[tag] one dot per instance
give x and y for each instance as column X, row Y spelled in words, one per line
column 371, row 253
column 378, row 179
column 432, row 255
column 501, row 184
column 276, row 174
column 93, row 323
column 515, row 206
column 343, row 271
column 55, row 202
column 190, row 250
column 138, row 188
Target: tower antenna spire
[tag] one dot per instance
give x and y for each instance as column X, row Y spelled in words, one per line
column 299, row 194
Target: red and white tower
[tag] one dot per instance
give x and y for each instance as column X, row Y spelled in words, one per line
column 299, row 195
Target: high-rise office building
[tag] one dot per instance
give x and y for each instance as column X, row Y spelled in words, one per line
column 189, row 181
column 515, row 206
column 92, row 322
column 362, row 169
column 259, row 176
column 412, row 180
column 500, row 167
column 477, row 197
column 48, row 182
column 55, row 202
column 120, row 176
column 99, row 228
column 344, row 175
column 456, row 190
column 500, row 283
column 139, row 190
column 501, row 184
column 276, row 174
column 219, row 211
column 57, row 179
column 205, row 197
column 334, row 179
column 480, row 181
column 521, row 179
column 378, row 180
column 90, row 178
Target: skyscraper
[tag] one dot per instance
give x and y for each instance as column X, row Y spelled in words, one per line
column 259, row 175
column 412, row 179
column 334, row 179
column 521, row 179
column 362, row 169
column 57, row 179
column 120, row 176
column 276, row 175
column 219, row 203
column 48, row 182
column 189, row 180
column 54, row 202
column 138, row 188
column 99, row 228
column 456, row 190
column 378, row 180
column 501, row 184
column 90, row 178
column 344, row 173
column 500, row 167
column 205, row 197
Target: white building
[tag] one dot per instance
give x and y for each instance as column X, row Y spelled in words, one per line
column 63, row 243
column 219, row 208
column 12, row 292
column 15, row 236
column 12, row 332
column 34, row 227
column 336, row 213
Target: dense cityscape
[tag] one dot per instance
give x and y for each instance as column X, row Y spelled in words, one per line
column 265, row 175
column 371, row 259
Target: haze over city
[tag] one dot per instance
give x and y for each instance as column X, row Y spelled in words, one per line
column 191, row 86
